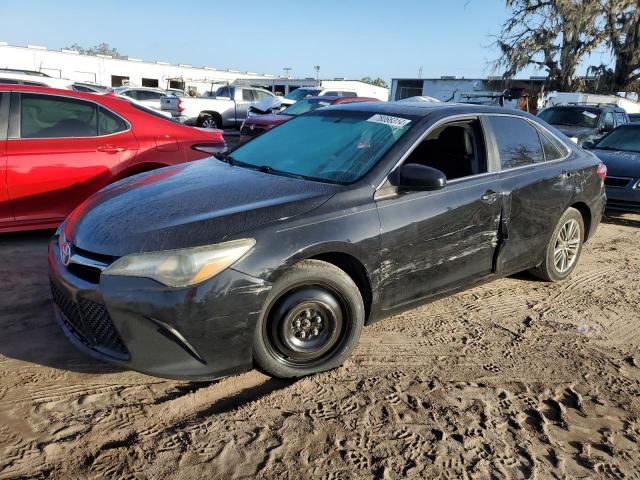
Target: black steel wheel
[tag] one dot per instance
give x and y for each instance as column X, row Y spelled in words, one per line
column 311, row 322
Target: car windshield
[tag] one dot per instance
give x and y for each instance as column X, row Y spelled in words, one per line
column 335, row 146
column 300, row 93
column 625, row 138
column 304, row 106
column 575, row 117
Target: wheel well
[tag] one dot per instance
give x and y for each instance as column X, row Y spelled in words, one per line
column 147, row 167
column 585, row 211
column 355, row 269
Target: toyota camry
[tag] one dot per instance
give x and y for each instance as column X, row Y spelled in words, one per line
column 277, row 254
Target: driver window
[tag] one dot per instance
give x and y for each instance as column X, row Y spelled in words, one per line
column 456, row 149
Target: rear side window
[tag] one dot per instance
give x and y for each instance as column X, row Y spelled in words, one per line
column 620, row 118
column 49, row 116
column 551, row 152
column 518, row 142
column 110, row 123
column 607, row 121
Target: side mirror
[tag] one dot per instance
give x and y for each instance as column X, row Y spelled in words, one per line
column 414, row 177
column 587, row 145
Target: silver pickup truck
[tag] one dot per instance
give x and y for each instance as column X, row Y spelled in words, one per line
column 228, row 108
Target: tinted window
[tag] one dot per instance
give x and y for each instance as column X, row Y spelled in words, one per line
column 551, row 152
column 331, row 94
column 620, row 118
column 48, row 116
column 110, row 123
column 148, row 95
column 247, row 95
column 131, row 94
column 607, row 121
column 224, row 92
column 518, row 142
column 9, row 81
column 348, row 94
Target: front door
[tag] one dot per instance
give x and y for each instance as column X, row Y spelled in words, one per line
column 435, row 241
column 57, row 155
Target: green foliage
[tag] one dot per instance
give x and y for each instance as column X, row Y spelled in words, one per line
column 378, row 82
column 100, row 49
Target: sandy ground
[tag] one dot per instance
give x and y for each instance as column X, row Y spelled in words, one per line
column 515, row 379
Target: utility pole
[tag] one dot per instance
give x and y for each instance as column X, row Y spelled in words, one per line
column 420, row 72
column 317, row 69
column 287, row 71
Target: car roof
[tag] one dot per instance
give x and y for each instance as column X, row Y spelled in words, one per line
column 422, row 109
column 91, row 96
column 586, row 105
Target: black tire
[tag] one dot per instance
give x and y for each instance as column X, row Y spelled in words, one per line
column 309, row 291
column 208, row 121
column 548, row 270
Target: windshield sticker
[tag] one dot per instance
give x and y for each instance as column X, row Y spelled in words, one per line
column 395, row 122
column 589, row 114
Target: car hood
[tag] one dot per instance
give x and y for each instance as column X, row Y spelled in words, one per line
column 270, row 119
column 192, row 204
column 579, row 132
column 620, row 164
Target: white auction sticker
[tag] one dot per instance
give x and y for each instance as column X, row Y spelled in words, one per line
column 589, row 114
column 396, row 122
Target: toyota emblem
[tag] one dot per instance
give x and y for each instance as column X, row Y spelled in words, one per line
column 65, row 254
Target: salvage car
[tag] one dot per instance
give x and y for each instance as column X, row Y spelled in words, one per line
column 620, row 152
column 256, row 125
column 58, row 147
column 584, row 122
column 277, row 254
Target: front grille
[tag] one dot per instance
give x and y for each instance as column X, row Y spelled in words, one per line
column 617, row 182
column 71, row 313
column 85, row 272
column 90, row 323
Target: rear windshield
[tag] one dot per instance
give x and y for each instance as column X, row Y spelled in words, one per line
column 573, row 117
column 304, row 106
column 335, row 146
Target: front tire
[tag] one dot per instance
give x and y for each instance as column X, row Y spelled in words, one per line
column 311, row 323
column 564, row 248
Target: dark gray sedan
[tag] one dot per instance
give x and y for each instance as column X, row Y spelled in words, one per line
column 620, row 151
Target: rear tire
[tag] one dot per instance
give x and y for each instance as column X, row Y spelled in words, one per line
column 564, row 248
column 311, row 322
column 208, row 121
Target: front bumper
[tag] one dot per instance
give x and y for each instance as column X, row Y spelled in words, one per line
column 197, row 333
column 625, row 199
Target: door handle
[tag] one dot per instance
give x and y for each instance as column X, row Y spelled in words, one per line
column 111, row 149
column 489, row 196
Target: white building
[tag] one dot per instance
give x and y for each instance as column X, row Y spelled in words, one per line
column 112, row 72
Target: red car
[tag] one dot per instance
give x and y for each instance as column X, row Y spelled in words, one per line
column 254, row 126
column 57, row 147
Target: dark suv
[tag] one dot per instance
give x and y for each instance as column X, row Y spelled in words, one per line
column 584, row 122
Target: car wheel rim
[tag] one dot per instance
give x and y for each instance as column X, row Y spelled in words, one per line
column 209, row 123
column 566, row 247
column 306, row 326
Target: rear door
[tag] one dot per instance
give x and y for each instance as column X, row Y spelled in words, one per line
column 537, row 185
column 6, row 215
column 60, row 150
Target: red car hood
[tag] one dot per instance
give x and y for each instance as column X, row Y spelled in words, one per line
column 270, row 120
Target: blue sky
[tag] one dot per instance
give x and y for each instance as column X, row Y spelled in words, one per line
column 346, row 38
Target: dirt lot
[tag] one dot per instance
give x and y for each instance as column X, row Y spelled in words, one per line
column 515, row 379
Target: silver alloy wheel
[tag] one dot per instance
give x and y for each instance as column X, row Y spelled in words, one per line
column 209, row 122
column 567, row 245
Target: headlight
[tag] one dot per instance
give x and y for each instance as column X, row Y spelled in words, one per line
column 183, row 267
